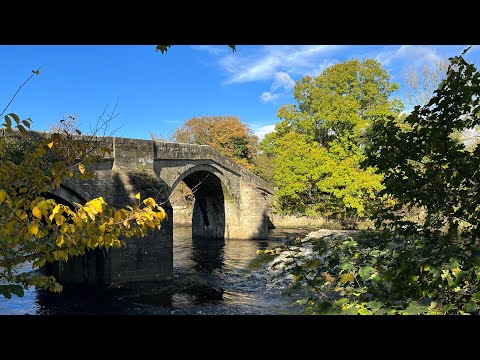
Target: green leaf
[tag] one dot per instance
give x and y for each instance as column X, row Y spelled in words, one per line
column 8, row 290
column 302, row 301
column 163, row 48
column 15, row 117
column 413, row 309
column 5, row 291
column 26, row 123
column 365, row 272
column 17, row 290
column 8, row 121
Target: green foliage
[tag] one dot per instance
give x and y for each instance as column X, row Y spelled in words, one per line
column 374, row 273
column 318, row 144
column 414, row 267
column 425, row 165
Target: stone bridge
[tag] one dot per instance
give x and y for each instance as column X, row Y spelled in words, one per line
column 230, row 202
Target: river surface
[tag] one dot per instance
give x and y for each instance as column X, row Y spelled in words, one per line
column 210, row 277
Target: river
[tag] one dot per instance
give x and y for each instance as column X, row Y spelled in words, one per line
column 210, row 277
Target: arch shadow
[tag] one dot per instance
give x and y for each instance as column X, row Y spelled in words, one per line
column 88, row 269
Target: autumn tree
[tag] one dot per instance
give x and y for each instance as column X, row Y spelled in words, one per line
column 226, row 134
column 35, row 228
column 318, row 145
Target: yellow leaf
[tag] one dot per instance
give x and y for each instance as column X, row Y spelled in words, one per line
column 149, row 202
column 118, row 215
column 59, row 219
column 96, row 204
column 89, row 212
column 161, row 214
column 50, row 145
column 137, row 196
column 56, row 209
column 33, row 228
column 37, row 213
column 60, row 241
column 3, row 195
column 81, row 168
column 101, row 228
column 344, row 278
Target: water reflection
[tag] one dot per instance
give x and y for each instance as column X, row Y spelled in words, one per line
column 207, row 254
column 210, row 277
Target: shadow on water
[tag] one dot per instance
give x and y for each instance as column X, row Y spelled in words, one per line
column 207, row 254
column 210, row 277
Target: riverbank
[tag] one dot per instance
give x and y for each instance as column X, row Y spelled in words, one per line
column 278, row 278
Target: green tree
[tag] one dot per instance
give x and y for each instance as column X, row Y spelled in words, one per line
column 428, row 267
column 329, row 124
column 36, row 229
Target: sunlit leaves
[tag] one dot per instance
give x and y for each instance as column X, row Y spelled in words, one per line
column 37, row 212
column 317, row 147
column 39, row 230
column 226, row 134
column 33, row 228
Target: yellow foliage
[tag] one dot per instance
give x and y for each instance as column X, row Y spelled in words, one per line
column 96, row 204
column 3, row 196
column 37, row 213
column 23, row 185
column 60, row 241
column 149, row 202
column 33, row 228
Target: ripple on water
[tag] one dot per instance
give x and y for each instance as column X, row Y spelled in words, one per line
column 211, row 277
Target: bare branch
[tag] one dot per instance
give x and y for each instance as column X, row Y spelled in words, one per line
column 421, row 83
column 34, row 72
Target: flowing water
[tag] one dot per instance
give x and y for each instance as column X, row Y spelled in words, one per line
column 210, row 277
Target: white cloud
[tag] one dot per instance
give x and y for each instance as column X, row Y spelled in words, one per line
column 264, row 130
column 282, row 80
column 414, row 54
column 273, row 59
column 267, row 96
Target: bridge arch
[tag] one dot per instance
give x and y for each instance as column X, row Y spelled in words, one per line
column 69, row 194
column 214, row 210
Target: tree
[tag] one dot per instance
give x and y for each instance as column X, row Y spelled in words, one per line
column 226, row 134
column 329, row 123
column 35, row 228
column 428, row 267
column 420, row 84
column 419, row 88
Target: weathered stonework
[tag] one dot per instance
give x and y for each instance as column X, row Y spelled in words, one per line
column 230, row 202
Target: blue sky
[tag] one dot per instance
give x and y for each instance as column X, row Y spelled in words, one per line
column 156, row 93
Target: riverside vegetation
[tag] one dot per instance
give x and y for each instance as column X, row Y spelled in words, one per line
column 346, row 152
column 424, row 257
